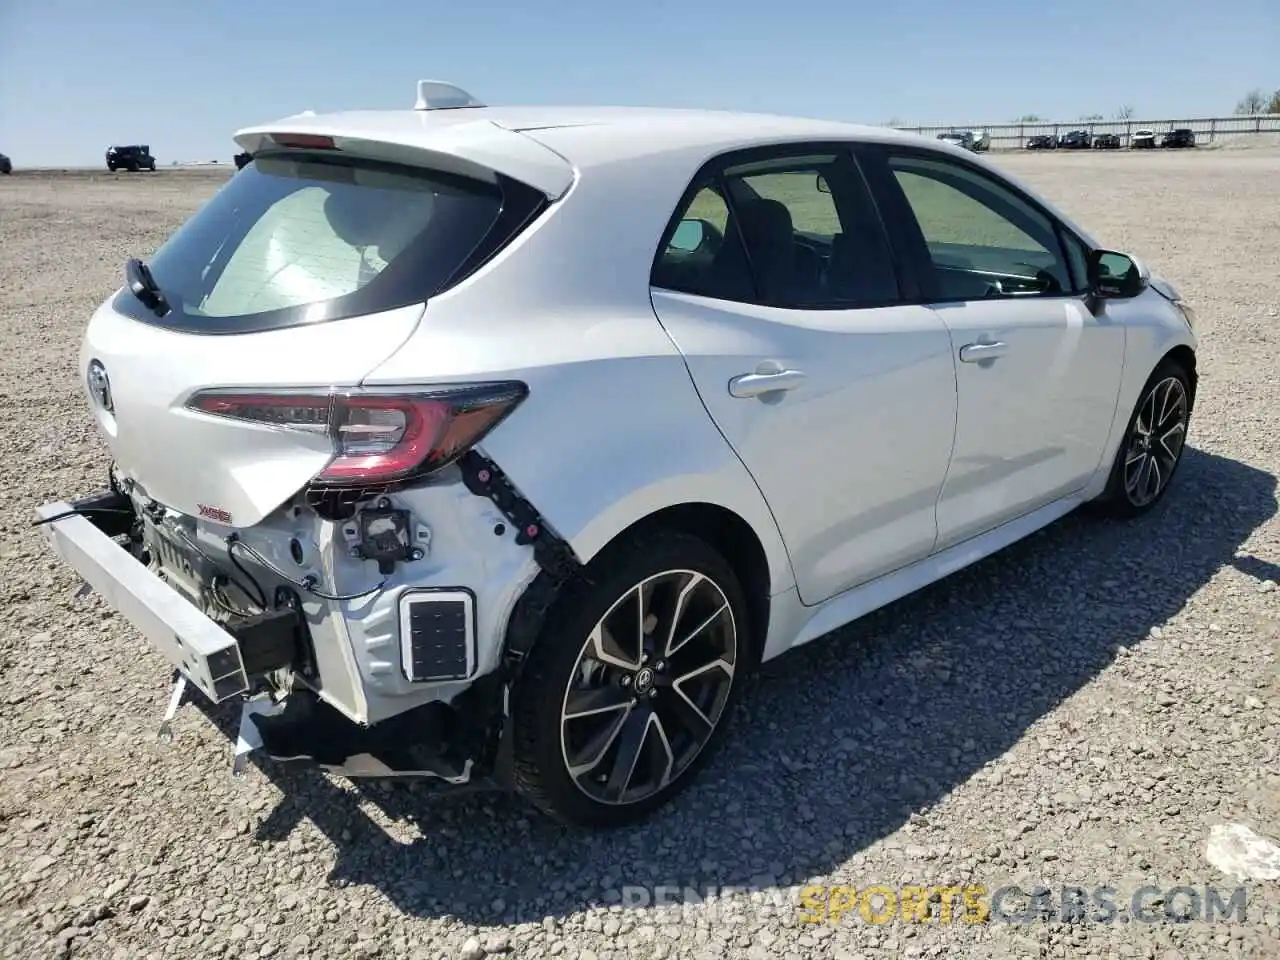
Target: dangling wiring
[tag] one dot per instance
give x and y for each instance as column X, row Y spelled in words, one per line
column 82, row 512
column 307, row 583
column 260, row 600
column 89, row 511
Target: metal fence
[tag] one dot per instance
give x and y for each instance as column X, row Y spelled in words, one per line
column 1014, row 136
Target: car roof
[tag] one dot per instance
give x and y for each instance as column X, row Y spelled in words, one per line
column 635, row 127
column 571, row 136
column 552, row 147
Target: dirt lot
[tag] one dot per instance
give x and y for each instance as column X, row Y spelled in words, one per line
column 1079, row 711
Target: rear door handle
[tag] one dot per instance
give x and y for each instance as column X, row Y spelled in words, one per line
column 755, row 384
column 977, row 352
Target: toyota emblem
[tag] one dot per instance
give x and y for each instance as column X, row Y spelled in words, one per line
column 100, row 386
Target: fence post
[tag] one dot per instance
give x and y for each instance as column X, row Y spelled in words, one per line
column 1213, row 128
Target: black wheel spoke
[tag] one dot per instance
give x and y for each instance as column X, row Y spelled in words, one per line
column 589, row 757
column 635, row 732
column 1171, row 441
column 594, row 701
column 698, row 613
column 682, row 715
column 620, row 648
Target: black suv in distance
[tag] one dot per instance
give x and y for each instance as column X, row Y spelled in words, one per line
column 1106, row 141
column 1042, row 142
column 133, row 158
column 1182, row 137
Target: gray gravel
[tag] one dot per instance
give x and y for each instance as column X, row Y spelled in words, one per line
column 1080, row 710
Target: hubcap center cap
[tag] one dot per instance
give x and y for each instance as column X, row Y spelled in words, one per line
column 643, row 682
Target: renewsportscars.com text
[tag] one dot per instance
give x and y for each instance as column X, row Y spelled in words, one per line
column 943, row 903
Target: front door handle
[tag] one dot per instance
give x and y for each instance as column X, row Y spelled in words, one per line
column 755, row 384
column 977, row 352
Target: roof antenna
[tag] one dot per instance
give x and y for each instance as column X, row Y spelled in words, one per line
column 441, row 95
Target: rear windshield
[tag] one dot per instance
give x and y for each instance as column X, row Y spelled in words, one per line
column 303, row 239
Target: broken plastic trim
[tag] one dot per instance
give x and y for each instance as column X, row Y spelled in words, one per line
column 485, row 479
column 424, row 742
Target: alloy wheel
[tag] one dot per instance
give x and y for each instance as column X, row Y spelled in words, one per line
column 1155, row 441
column 649, row 686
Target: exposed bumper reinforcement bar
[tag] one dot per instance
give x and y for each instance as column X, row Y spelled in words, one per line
column 80, row 533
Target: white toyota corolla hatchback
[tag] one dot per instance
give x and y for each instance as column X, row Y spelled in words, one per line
column 499, row 445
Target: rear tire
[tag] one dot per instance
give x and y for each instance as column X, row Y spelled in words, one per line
column 1152, row 446
column 631, row 681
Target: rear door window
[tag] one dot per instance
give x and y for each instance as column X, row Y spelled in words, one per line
column 790, row 230
column 302, row 239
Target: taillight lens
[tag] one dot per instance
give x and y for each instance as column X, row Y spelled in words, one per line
column 306, row 141
column 378, row 437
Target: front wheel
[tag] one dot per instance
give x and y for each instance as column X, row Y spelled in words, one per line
column 631, row 681
column 1152, row 446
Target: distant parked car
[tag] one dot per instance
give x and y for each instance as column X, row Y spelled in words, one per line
column 981, row 141
column 1143, row 139
column 1181, row 137
column 133, row 158
column 1106, row 141
column 1042, row 142
column 6, row 165
column 242, row 160
column 969, row 139
column 1075, row 140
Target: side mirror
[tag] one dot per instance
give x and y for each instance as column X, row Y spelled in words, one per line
column 689, row 235
column 1115, row 276
column 823, row 186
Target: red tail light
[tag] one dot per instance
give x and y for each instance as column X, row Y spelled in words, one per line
column 378, row 437
column 307, row 141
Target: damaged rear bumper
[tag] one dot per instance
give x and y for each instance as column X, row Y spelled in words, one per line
column 454, row 742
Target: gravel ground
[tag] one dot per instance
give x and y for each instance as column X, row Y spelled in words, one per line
column 1081, row 710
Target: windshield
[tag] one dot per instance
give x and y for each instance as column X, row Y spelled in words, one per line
column 294, row 240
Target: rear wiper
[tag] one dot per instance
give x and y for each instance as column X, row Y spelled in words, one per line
column 143, row 286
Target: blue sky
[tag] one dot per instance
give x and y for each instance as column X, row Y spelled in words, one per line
column 78, row 75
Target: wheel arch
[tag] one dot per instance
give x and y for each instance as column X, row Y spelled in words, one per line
column 723, row 529
column 1184, row 356
column 734, row 539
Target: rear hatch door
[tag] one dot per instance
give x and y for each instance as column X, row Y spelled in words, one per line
column 303, row 273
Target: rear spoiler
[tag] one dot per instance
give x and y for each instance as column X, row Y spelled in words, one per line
column 473, row 147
